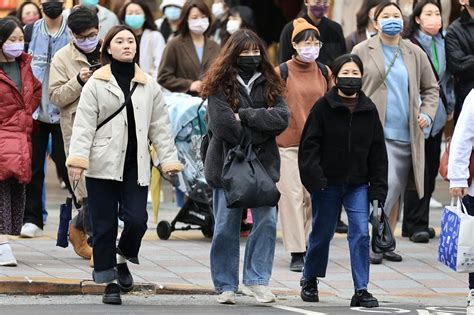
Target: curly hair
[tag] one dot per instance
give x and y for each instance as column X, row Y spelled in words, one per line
column 221, row 77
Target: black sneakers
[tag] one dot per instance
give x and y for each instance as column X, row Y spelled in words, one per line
column 309, row 290
column 112, row 294
column 341, row 227
column 125, row 279
column 363, row 298
column 297, row 262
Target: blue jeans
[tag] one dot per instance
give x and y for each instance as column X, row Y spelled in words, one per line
column 326, row 206
column 225, row 249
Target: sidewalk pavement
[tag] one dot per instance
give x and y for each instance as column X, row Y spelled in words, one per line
column 180, row 265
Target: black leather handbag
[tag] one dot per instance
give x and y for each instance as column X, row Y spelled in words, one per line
column 382, row 237
column 245, row 181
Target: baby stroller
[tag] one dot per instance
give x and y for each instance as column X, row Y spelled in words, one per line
column 188, row 126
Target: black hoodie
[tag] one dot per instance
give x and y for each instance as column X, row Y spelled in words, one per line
column 340, row 147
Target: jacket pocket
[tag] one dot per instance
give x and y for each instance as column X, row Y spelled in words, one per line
column 100, row 142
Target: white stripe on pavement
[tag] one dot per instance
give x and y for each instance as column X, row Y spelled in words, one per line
column 296, row 310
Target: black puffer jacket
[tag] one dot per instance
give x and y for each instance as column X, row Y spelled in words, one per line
column 340, row 147
column 460, row 53
column 263, row 122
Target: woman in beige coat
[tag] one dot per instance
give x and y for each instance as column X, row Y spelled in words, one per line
column 114, row 155
column 399, row 80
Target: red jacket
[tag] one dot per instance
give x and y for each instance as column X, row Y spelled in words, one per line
column 16, row 122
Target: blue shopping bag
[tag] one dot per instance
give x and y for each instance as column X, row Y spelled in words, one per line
column 456, row 240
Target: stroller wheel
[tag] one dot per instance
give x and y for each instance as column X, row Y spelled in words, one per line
column 164, row 230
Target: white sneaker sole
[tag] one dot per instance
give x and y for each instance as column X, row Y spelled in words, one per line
column 248, row 292
column 10, row 263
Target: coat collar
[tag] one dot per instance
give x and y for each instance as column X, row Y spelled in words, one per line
column 76, row 54
column 334, row 101
column 105, row 74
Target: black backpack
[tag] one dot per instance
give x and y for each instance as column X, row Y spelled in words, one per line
column 284, row 71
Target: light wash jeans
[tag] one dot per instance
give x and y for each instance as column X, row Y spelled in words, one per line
column 225, row 249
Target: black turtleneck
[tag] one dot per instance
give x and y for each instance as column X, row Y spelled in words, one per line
column 124, row 73
column 92, row 57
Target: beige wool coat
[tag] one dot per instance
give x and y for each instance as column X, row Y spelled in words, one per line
column 102, row 153
column 423, row 92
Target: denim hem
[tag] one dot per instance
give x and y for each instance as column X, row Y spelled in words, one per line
column 104, row 276
column 363, row 288
column 256, row 282
column 226, row 288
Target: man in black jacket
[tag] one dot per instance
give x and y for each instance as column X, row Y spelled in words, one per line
column 332, row 37
column 460, row 53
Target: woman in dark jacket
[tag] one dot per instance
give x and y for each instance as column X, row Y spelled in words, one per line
column 343, row 161
column 21, row 93
column 243, row 89
column 365, row 24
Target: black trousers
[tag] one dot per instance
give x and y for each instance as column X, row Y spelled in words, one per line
column 416, row 212
column 109, row 200
column 469, row 203
column 34, row 190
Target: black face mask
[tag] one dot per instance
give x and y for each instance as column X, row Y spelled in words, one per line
column 248, row 64
column 53, row 9
column 349, row 86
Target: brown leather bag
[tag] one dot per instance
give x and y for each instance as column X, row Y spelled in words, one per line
column 443, row 164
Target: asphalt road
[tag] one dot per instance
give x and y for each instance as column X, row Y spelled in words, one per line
column 162, row 304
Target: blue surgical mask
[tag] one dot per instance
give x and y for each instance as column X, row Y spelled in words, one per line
column 135, row 21
column 90, row 3
column 391, row 26
column 172, row 13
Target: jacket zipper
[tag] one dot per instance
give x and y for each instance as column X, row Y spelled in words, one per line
column 349, row 148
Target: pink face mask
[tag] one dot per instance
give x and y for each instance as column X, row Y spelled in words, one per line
column 308, row 54
column 431, row 25
column 13, row 50
column 30, row 19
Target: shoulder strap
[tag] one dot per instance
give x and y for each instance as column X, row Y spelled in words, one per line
column 283, row 71
column 397, row 53
column 324, row 71
column 129, row 97
column 28, row 35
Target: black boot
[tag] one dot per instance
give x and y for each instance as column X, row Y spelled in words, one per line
column 297, row 262
column 309, row 290
column 125, row 279
column 341, row 227
column 363, row 298
column 112, row 294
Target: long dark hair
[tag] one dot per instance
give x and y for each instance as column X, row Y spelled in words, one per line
column 222, row 75
column 362, row 16
column 412, row 26
column 7, row 27
column 149, row 20
column 105, row 57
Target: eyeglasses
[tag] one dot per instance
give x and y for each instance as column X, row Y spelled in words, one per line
column 81, row 39
column 317, row 45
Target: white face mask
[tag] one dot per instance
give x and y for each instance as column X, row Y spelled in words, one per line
column 198, row 26
column 233, row 26
column 218, row 9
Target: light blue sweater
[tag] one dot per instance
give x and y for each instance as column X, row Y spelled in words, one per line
column 397, row 117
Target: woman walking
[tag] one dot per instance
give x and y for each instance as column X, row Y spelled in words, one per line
column 343, row 162
column 399, row 80
column 21, row 93
column 306, row 81
column 112, row 151
column 244, row 96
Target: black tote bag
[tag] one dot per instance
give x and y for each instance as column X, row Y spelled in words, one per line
column 383, row 240
column 245, row 181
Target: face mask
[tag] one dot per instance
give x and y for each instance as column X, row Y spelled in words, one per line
column 218, row 9
column 391, row 26
column 135, row 21
column 52, row 9
column 431, row 25
column 318, row 10
column 88, row 45
column 308, row 54
column 91, row 4
column 248, row 64
column 233, row 26
column 13, row 50
column 349, row 86
column 198, row 26
column 172, row 13
column 30, row 19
